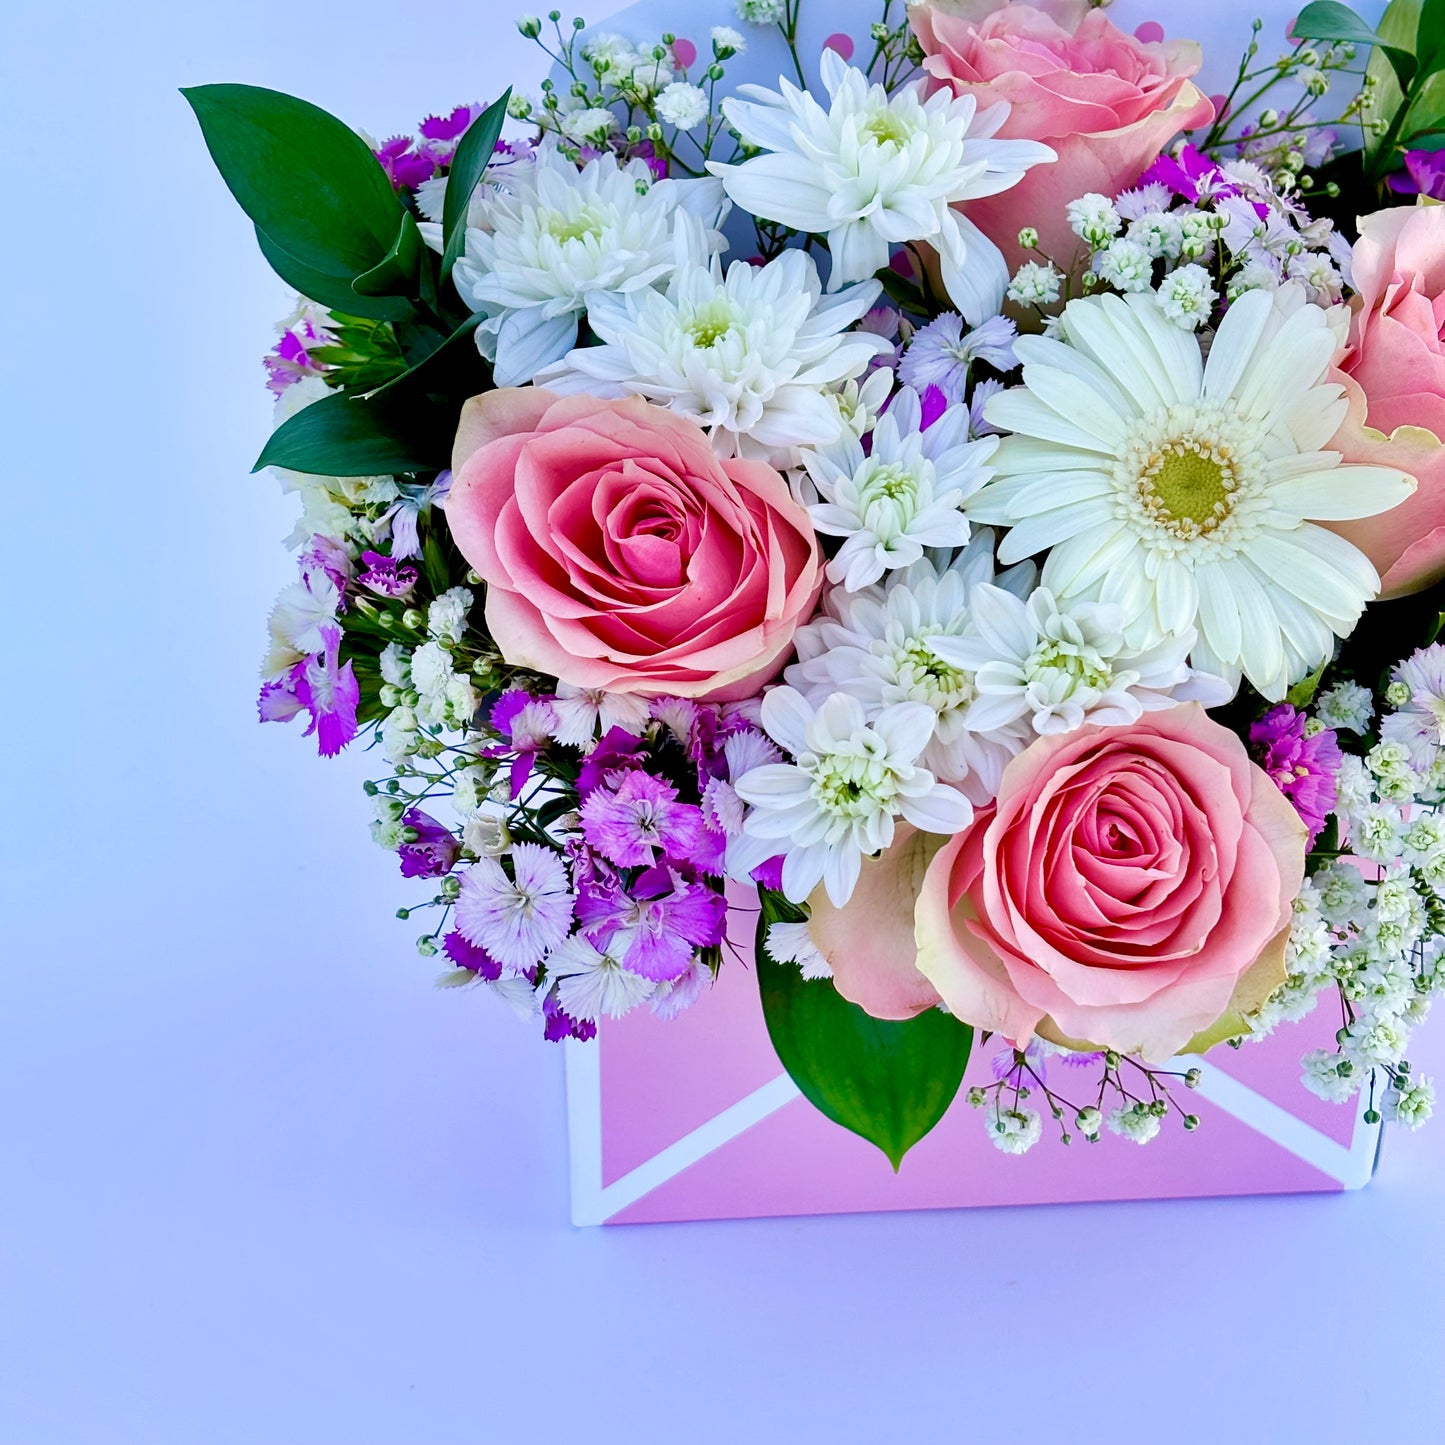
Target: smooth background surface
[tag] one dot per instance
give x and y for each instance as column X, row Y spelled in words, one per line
column 259, row 1183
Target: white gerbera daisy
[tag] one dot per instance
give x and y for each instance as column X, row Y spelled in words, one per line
column 904, row 494
column 882, row 646
column 540, row 249
column 1186, row 491
column 747, row 355
column 874, row 170
column 839, row 800
column 1059, row 666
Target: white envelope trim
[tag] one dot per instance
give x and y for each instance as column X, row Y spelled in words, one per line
column 595, row 1203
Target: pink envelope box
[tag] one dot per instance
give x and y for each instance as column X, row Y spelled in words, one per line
column 696, row 1119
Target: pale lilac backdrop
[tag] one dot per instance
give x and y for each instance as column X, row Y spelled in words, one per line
column 259, row 1183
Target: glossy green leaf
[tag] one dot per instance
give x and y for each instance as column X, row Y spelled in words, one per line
column 308, row 181
column 342, row 436
column 1328, row 20
column 454, row 368
column 1430, row 38
column 398, row 272
column 331, row 289
column 889, row 1082
column 474, row 151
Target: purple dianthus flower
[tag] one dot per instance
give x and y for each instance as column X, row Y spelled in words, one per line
column 1305, row 768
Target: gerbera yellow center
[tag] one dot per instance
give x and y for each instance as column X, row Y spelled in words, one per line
column 1185, row 474
column 1193, row 484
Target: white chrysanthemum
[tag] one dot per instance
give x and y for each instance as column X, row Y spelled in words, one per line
column 901, row 496
column 839, row 800
column 1059, row 666
column 591, row 984
column 880, row 646
column 557, row 238
column 875, row 170
column 746, row 355
column 1186, row 491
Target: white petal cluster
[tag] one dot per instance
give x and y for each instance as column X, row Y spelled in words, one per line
column 748, row 355
column 852, row 778
column 880, row 646
column 874, row 170
column 904, row 494
column 1059, row 666
column 540, row 250
column 1188, row 491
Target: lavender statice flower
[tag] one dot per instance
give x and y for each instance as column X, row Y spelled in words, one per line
column 518, row 919
column 941, row 355
column 432, row 852
column 628, row 825
column 655, row 925
column 1304, row 767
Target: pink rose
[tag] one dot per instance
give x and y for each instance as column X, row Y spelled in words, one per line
column 1131, row 890
column 1106, row 102
column 620, row 553
column 1394, row 375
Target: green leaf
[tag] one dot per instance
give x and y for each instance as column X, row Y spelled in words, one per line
column 342, row 436
column 398, row 272
column 473, row 154
column 1430, row 39
column 331, row 289
column 1328, row 20
column 1302, row 694
column 455, row 367
column 889, row 1082
column 309, row 182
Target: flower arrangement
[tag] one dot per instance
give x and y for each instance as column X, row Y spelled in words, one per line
column 983, row 513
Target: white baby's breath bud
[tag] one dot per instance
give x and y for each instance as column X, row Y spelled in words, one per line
column 1028, row 238
column 760, row 12
column 727, row 42
column 530, row 26
column 1035, row 285
column 683, row 105
column 1125, row 265
column 591, row 125
column 1015, row 1131
column 1094, row 218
